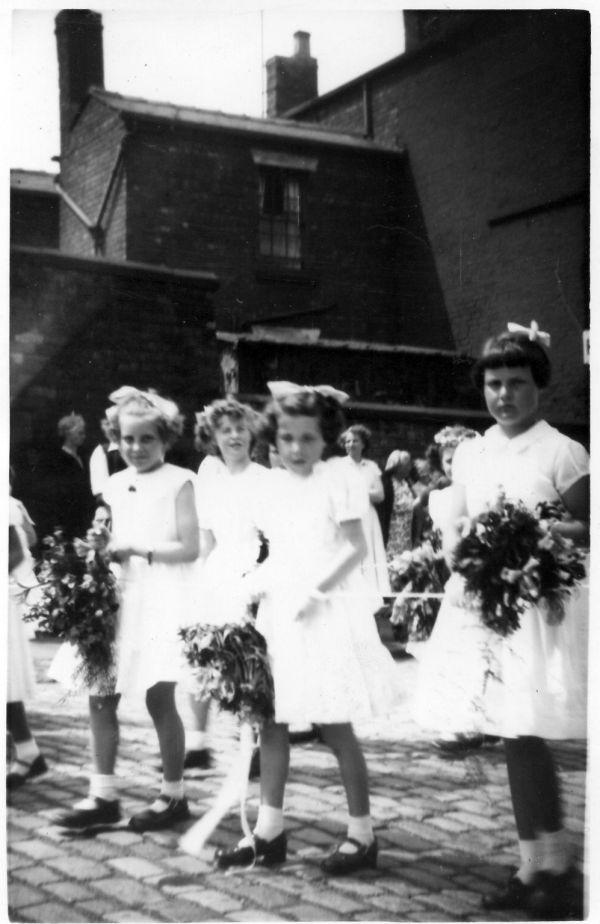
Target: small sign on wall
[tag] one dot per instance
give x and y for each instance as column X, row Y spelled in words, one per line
column 586, row 347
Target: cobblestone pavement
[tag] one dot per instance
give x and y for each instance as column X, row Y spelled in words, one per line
column 445, row 830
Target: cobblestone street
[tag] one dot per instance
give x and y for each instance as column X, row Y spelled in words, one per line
column 445, row 829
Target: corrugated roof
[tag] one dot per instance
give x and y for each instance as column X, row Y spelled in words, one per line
column 33, row 181
column 275, row 128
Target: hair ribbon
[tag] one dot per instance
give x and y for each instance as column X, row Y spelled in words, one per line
column 168, row 409
column 284, row 389
column 533, row 332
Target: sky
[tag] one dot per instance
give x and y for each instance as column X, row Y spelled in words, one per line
column 200, row 54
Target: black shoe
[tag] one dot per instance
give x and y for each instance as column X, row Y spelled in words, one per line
column 37, row 766
column 513, row 894
column 254, row 771
column 549, row 899
column 340, row 864
column 265, row 853
column 175, row 810
column 303, row 735
column 461, row 744
column 201, row 759
column 105, row 812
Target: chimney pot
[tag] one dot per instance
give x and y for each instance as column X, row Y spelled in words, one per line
column 302, row 44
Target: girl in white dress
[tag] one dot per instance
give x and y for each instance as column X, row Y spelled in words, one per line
column 27, row 762
column 329, row 666
column 356, row 440
column 155, row 540
column 228, row 482
column 536, row 685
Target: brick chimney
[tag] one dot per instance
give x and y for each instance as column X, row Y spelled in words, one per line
column 291, row 81
column 80, row 62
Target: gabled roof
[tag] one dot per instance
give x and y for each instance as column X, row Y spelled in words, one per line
column 281, row 129
column 35, row 181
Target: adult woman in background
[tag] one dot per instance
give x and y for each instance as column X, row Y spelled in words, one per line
column 402, row 499
column 356, row 441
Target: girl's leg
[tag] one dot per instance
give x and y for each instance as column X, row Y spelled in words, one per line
column 102, row 803
column 359, row 850
column 28, row 761
column 270, row 845
column 160, row 701
column 198, row 753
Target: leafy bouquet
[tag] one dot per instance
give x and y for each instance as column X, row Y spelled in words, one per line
column 510, row 559
column 79, row 604
column 422, row 570
column 231, row 665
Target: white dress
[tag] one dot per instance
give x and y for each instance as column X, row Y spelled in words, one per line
column 534, row 681
column 374, row 563
column 330, row 665
column 20, row 674
column 156, row 599
column 225, row 502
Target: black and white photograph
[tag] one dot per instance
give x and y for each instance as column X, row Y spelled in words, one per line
column 298, row 417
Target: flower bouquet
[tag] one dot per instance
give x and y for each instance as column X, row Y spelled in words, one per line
column 231, row 665
column 510, row 559
column 78, row 603
column 420, row 571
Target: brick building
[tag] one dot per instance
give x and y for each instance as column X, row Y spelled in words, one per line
column 371, row 236
column 34, row 209
column 492, row 110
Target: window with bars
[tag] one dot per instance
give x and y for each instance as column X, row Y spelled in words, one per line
column 280, row 215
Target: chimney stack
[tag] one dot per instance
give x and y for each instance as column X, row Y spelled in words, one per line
column 291, row 81
column 80, row 62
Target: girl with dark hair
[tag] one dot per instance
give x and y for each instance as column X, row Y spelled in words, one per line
column 315, row 612
column 534, row 687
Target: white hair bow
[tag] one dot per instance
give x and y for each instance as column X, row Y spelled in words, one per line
column 167, row 408
column 533, row 332
column 283, row 389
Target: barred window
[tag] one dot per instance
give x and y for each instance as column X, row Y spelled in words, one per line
column 280, row 215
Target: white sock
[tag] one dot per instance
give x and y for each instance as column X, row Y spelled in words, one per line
column 172, row 790
column 195, row 740
column 556, row 855
column 27, row 751
column 269, row 823
column 531, row 860
column 360, row 827
column 103, row 786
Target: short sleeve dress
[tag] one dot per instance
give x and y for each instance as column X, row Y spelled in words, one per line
column 330, row 665
column 20, row 673
column 225, row 507
column 374, row 563
column 154, row 599
column 157, row 598
column 534, row 681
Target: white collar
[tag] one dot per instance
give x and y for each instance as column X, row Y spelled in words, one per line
column 497, row 438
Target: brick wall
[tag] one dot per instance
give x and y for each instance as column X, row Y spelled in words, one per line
column 85, row 171
column 34, row 219
column 80, row 329
column 497, row 125
column 192, row 201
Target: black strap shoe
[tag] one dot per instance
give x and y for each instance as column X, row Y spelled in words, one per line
column 341, row 864
column 513, row 894
column 550, row 899
column 105, row 812
column 26, row 771
column 263, row 853
column 175, row 810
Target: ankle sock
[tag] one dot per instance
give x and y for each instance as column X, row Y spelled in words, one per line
column 269, row 823
column 196, row 740
column 103, row 786
column 172, row 790
column 556, row 856
column 27, row 751
column 531, row 860
column 360, row 827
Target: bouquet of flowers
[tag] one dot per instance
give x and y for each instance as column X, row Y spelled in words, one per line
column 422, row 570
column 79, row 604
column 231, row 665
column 510, row 559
